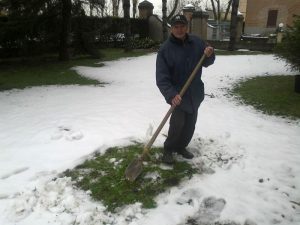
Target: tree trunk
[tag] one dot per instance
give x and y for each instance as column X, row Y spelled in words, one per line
column 214, row 9
column 126, row 9
column 134, row 4
column 115, row 7
column 65, row 30
column 173, row 10
column 233, row 25
column 297, row 83
column 227, row 9
column 219, row 10
column 164, row 19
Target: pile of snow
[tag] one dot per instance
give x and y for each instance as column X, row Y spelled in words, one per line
column 249, row 161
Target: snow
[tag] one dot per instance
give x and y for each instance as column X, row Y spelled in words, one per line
column 250, row 162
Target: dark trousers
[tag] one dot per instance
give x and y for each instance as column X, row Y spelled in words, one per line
column 181, row 130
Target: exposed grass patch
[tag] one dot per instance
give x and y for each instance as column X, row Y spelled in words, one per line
column 116, row 53
column 29, row 72
column 226, row 52
column 104, row 176
column 273, row 95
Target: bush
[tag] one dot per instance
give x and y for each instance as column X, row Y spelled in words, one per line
column 289, row 49
column 143, row 43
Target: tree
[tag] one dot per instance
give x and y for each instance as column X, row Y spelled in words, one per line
column 126, row 8
column 175, row 4
column 217, row 8
column 116, row 4
column 233, row 25
column 37, row 26
column 216, row 11
column 289, row 48
column 97, row 5
column 166, row 18
column 227, row 10
column 66, row 28
column 134, row 5
column 29, row 26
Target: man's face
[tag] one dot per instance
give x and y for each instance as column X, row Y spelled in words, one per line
column 179, row 30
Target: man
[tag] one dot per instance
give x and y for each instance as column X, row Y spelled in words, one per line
column 175, row 62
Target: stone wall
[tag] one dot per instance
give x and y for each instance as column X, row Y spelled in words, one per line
column 252, row 46
column 155, row 28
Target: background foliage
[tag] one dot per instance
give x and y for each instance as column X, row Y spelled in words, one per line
column 289, row 49
column 33, row 27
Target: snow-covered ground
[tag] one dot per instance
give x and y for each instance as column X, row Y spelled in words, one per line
column 250, row 161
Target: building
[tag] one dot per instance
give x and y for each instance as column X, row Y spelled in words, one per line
column 243, row 7
column 264, row 16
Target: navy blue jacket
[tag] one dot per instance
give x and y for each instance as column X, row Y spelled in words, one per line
column 176, row 59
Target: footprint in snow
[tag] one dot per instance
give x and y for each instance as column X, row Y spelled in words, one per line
column 189, row 197
column 67, row 133
column 209, row 211
column 14, row 172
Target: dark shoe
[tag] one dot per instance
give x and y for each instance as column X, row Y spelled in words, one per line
column 185, row 153
column 167, row 157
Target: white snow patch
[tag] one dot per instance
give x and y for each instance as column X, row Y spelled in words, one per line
column 249, row 161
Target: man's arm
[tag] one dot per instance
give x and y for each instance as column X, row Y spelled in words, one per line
column 163, row 79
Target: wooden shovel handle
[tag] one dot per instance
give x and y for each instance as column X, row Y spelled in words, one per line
column 181, row 93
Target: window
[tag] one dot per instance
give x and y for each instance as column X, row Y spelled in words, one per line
column 272, row 18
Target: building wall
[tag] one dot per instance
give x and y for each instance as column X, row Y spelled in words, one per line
column 257, row 14
column 243, row 7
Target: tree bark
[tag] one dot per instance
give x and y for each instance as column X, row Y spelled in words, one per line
column 116, row 7
column 214, row 9
column 134, row 4
column 297, row 83
column 227, row 9
column 219, row 10
column 173, row 10
column 65, row 30
column 233, row 25
column 126, row 9
column 164, row 19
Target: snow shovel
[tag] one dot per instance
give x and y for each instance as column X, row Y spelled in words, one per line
column 135, row 168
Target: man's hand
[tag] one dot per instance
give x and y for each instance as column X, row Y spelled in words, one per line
column 176, row 100
column 208, row 51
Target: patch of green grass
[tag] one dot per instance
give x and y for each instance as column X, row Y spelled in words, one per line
column 116, row 53
column 17, row 73
column 226, row 52
column 273, row 95
column 104, row 176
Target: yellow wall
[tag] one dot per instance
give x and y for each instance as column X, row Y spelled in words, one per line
column 243, row 7
column 257, row 14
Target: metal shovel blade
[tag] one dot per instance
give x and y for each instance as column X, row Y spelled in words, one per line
column 134, row 169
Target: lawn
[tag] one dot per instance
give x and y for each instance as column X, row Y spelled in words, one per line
column 29, row 72
column 273, row 95
column 103, row 176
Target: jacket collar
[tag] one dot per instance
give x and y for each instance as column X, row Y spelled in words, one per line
column 178, row 41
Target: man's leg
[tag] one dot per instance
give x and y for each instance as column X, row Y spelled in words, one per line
column 188, row 129
column 177, row 121
column 187, row 134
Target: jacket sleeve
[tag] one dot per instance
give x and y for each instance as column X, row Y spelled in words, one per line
column 210, row 60
column 164, row 79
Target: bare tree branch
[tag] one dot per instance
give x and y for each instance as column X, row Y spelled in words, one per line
column 174, row 10
column 214, row 9
column 227, row 9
